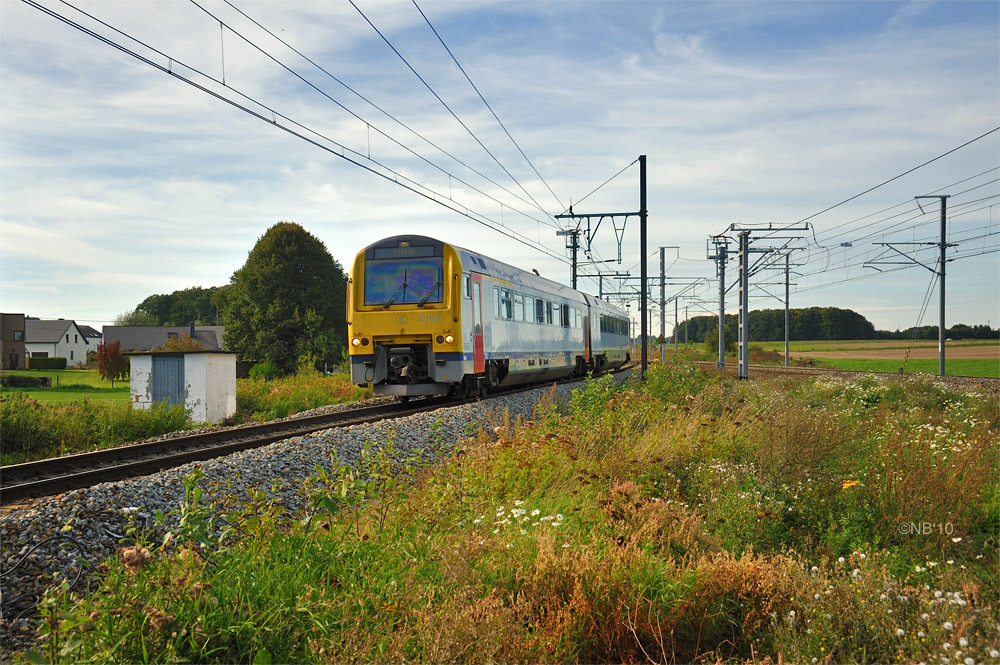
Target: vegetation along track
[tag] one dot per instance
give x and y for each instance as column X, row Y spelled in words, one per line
column 61, row 474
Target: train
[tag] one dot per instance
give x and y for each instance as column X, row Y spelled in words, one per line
column 426, row 317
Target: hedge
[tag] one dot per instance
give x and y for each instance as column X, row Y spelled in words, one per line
column 46, row 363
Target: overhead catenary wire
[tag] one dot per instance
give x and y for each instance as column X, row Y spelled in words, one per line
column 445, row 104
column 474, row 87
column 370, row 125
column 271, row 117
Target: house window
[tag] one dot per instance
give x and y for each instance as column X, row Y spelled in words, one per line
column 76, row 339
column 67, row 339
column 71, row 355
column 18, row 335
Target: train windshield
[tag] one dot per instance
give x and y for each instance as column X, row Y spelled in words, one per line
column 404, row 281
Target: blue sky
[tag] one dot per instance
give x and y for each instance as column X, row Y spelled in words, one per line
column 118, row 181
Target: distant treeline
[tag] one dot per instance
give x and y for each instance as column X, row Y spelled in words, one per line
column 818, row 323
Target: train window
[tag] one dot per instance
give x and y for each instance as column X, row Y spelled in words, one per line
column 556, row 312
column 565, row 316
column 539, row 311
column 518, row 307
column 548, row 312
column 403, row 281
column 506, row 307
column 496, row 302
column 529, row 309
column 477, row 310
column 468, row 287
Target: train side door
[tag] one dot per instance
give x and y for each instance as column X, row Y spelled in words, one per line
column 478, row 352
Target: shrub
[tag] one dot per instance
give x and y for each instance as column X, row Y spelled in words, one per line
column 56, row 362
column 265, row 371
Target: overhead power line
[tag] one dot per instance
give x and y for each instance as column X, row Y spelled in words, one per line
column 361, row 119
column 872, row 189
column 504, row 127
column 445, row 104
column 272, row 119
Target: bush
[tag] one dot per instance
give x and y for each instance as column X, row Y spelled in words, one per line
column 261, row 399
column 265, row 371
column 35, row 362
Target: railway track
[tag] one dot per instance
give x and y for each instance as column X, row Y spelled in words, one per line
column 22, row 482
column 60, row 474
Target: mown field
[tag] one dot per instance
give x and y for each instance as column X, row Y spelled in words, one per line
column 692, row 518
column 962, row 358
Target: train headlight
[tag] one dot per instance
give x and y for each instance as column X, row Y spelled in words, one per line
column 448, row 339
column 439, row 339
column 364, row 341
column 356, row 342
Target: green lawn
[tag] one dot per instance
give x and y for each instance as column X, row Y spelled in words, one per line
column 69, row 385
column 953, row 367
column 804, row 346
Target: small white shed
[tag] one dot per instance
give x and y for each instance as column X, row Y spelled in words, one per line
column 203, row 381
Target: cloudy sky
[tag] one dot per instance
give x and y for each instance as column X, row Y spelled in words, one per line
column 120, row 179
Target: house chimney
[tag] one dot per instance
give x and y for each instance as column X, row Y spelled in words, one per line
column 192, row 330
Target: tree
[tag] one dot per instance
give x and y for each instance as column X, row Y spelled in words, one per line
column 286, row 302
column 136, row 318
column 111, row 363
column 192, row 305
column 180, row 343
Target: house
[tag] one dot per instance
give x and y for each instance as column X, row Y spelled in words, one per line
column 94, row 338
column 58, row 338
column 146, row 338
column 12, row 351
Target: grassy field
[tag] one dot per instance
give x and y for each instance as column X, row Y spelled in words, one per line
column 953, row 367
column 692, row 518
column 870, row 344
column 70, row 385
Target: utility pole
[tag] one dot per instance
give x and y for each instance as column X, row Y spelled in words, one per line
column 786, row 309
column 718, row 249
column 642, row 249
column 642, row 215
column 572, row 244
column 943, row 245
column 744, row 328
column 663, row 302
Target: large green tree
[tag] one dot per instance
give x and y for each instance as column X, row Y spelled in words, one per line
column 182, row 307
column 287, row 303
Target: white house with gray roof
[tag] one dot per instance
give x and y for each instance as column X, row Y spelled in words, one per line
column 55, row 338
column 147, row 338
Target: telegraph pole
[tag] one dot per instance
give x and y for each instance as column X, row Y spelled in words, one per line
column 744, row 327
column 786, row 309
column 642, row 215
column 642, row 250
column 572, row 243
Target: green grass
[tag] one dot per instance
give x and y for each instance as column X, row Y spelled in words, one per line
column 855, row 344
column 71, row 385
column 692, row 518
column 953, row 367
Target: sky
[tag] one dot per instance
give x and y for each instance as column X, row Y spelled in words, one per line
column 119, row 179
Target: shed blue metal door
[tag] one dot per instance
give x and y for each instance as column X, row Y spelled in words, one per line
column 168, row 379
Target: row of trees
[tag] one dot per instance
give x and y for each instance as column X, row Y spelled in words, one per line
column 284, row 307
column 818, row 323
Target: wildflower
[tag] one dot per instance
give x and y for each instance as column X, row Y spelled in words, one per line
column 850, row 483
column 946, row 646
column 969, row 661
column 840, row 560
column 921, row 633
column 994, row 653
column 855, row 572
column 535, row 512
column 900, row 632
column 962, row 642
column 925, row 616
column 948, row 625
column 956, row 539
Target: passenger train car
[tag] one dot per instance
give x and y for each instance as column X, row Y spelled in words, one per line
column 428, row 318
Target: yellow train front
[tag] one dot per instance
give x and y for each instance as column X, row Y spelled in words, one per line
column 429, row 318
column 404, row 317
